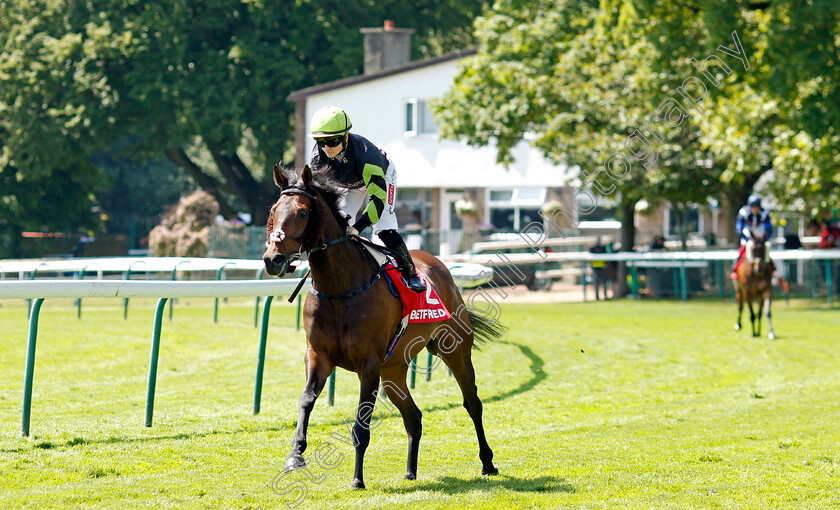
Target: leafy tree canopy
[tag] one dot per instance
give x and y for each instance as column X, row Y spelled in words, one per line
column 201, row 82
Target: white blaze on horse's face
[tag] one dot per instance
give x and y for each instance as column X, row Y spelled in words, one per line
column 277, row 236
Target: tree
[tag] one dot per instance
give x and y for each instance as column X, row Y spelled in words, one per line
column 783, row 113
column 51, row 94
column 572, row 75
column 202, row 83
column 137, row 193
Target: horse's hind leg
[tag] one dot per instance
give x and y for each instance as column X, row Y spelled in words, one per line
column 317, row 371
column 460, row 362
column 770, row 334
column 740, row 299
column 393, row 380
column 758, row 314
column 752, row 316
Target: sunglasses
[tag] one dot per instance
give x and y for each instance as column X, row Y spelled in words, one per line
column 334, row 141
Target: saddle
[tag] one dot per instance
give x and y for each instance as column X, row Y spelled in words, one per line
column 416, row 308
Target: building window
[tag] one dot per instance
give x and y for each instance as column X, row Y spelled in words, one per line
column 606, row 208
column 419, row 118
column 414, row 207
column 511, row 210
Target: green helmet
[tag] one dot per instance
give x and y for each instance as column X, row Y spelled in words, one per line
column 330, row 121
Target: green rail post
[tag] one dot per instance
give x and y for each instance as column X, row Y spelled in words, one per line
column 634, row 280
column 413, row 375
column 174, row 276
column 79, row 300
column 583, row 279
column 32, row 277
column 127, row 276
column 219, row 275
column 153, row 361
column 331, row 389
column 683, row 282
column 828, row 283
column 428, row 366
column 810, row 264
column 261, row 356
column 721, row 271
column 30, row 366
column 675, row 277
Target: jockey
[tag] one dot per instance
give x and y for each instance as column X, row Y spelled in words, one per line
column 752, row 217
column 365, row 170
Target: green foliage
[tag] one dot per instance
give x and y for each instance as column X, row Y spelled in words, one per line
column 574, row 77
column 82, row 77
column 579, row 77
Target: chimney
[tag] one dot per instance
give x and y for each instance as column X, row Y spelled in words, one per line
column 386, row 47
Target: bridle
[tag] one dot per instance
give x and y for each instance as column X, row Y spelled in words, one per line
column 278, row 235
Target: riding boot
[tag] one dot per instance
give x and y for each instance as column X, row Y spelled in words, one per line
column 407, row 269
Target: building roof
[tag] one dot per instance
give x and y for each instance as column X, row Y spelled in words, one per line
column 361, row 78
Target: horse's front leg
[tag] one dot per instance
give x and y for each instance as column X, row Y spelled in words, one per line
column 369, row 379
column 740, row 300
column 752, row 315
column 317, row 371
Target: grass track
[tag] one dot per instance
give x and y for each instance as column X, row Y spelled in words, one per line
column 599, row 405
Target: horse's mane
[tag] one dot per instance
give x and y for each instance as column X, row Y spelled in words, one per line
column 330, row 190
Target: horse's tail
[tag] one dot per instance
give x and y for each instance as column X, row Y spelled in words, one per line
column 484, row 330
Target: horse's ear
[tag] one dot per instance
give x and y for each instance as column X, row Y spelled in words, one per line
column 279, row 178
column 306, row 175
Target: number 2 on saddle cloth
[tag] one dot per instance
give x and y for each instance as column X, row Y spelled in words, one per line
column 423, row 307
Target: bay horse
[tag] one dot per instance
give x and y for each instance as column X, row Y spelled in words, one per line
column 754, row 283
column 350, row 316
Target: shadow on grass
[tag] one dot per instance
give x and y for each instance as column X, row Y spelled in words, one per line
column 452, row 485
column 536, row 369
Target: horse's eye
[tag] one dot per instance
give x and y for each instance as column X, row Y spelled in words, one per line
column 302, row 213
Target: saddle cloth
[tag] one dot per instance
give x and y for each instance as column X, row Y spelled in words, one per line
column 425, row 307
column 418, row 307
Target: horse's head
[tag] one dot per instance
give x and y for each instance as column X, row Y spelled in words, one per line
column 307, row 214
column 759, row 248
column 292, row 221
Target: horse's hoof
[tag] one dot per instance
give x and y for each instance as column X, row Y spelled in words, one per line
column 357, row 484
column 294, row 462
column 771, row 336
column 410, row 476
column 490, row 470
column 737, row 327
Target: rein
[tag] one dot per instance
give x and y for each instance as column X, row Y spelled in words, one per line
column 324, row 246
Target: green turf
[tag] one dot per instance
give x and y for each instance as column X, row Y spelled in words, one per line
column 599, row 405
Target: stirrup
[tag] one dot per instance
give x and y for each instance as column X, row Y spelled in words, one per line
column 414, row 282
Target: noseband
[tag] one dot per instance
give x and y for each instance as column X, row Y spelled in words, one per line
column 299, row 255
column 283, row 235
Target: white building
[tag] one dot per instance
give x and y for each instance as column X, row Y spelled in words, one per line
column 389, row 106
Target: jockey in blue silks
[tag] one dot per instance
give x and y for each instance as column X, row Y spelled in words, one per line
column 752, row 219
